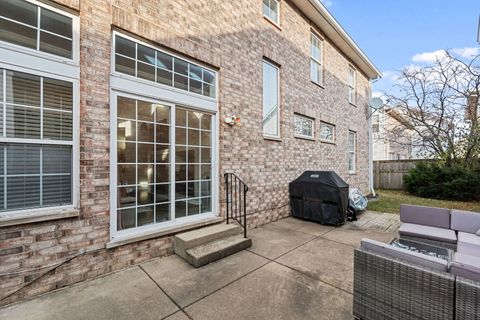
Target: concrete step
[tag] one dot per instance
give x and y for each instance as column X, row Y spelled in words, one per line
column 188, row 240
column 216, row 250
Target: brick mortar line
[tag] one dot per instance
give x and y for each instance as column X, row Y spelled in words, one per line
column 165, row 293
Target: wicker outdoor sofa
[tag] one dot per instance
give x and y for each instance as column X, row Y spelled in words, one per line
column 395, row 283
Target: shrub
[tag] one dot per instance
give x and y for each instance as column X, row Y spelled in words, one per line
column 443, row 182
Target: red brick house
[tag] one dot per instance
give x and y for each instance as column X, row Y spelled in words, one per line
column 112, row 131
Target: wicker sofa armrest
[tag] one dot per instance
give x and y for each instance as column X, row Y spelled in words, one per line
column 387, row 288
column 467, row 299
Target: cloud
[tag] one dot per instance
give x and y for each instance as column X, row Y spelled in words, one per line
column 327, row 3
column 431, row 57
column 391, row 75
column 428, row 57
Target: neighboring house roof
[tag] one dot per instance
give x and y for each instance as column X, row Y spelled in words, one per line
column 318, row 13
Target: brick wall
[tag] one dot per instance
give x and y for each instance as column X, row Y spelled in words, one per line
column 233, row 37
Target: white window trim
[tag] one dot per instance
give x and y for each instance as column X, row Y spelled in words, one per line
column 277, row 23
column 269, row 136
column 153, row 83
column 334, row 138
column 75, row 143
column 75, row 60
column 354, row 152
column 319, row 62
column 116, row 235
column 302, row 136
column 352, row 86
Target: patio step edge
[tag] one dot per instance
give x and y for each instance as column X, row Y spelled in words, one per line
column 191, row 239
column 216, row 250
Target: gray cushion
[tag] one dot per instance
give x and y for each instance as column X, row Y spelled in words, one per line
column 465, row 221
column 425, row 232
column 468, row 244
column 404, row 255
column 466, row 266
column 427, row 216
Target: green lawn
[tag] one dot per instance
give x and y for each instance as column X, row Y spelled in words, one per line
column 390, row 201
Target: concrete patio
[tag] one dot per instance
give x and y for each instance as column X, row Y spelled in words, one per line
column 294, row 270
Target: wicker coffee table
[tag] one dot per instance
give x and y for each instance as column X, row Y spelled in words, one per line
column 424, row 248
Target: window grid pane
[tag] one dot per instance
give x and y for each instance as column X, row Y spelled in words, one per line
column 19, row 25
column 327, row 131
column 303, row 126
column 144, row 62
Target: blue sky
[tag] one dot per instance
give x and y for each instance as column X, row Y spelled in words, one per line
column 399, row 33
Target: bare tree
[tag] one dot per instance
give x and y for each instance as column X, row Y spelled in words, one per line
column 438, row 105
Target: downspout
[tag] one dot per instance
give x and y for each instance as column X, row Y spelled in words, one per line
column 370, row 142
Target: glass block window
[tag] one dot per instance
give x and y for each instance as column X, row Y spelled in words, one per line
column 35, row 141
column 158, row 180
column 352, row 151
column 351, row 85
column 327, row 132
column 193, row 163
column 35, row 27
column 303, row 127
column 271, row 10
column 271, row 120
column 316, row 59
column 144, row 62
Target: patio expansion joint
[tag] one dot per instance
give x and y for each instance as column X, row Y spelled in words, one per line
column 168, row 296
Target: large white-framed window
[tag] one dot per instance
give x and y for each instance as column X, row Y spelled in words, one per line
column 351, row 83
column 316, row 59
column 327, row 132
column 271, row 10
column 271, row 100
column 141, row 60
column 39, row 109
column 163, row 161
column 352, row 151
column 39, row 28
column 303, row 127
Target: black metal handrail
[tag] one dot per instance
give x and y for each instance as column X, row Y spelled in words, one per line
column 236, row 200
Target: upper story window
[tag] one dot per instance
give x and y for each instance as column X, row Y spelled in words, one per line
column 141, row 61
column 327, row 132
column 35, row 27
column 303, row 127
column 271, row 9
column 351, row 85
column 352, row 151
column 271, row 114
column 316, row 59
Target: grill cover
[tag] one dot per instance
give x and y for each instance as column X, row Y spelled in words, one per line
column 320, row 196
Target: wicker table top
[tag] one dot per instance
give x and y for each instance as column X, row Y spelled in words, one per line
column 424, row 248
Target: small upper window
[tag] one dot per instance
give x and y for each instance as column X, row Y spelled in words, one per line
column 147, row 63
column 303, row 127
column 271, row 10
column 316, row 59
column 351, row 85
column 327, row 132
column 29, row 25
column 352, row 151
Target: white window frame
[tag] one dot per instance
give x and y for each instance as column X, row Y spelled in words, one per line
column 334, row 132
column 31, row 61
column 172, row 89
column 278, row 135
column 141, row 89
column 297, row 135
column 29, row 52
column 354, row 152
column 316, row 61
column 352, row 87
column 278, row 12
